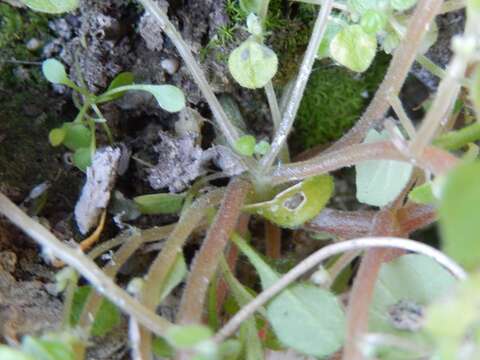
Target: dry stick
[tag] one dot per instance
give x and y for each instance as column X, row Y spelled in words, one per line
column 86, row 267
column 206, row 260
column 361, row 295
column 162, row 265
column 397, row 72
column 434, row 160
column 321, row 255
column 228, row 130
column 299, row 87
column 273, row 240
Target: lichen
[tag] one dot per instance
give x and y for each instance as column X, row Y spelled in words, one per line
column 334, row 99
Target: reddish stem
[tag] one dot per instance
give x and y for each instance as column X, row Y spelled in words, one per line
column 273, row 240
column 206, row 260
column 385, row 224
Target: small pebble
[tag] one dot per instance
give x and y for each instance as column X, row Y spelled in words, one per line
column 33, row 44
column 170, row 65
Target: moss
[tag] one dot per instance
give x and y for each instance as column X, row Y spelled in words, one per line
column 334, row 99
column 17, row 26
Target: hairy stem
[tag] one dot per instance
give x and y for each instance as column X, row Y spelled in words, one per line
column 362, row 291
column 299, row 87
column 434, row 160
column 321, row 255
column 206, row 261
column 86, row 267
column 163, row 263
column 397, row 72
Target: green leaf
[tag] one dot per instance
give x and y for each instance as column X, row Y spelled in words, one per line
column 186, row 337
column 106, row 319
column 458, row 214
column 380, row 181
column 122, row 79
column 373, row 21
column 252, row 64
column 354, row 48
column 304, row 317
column 54, row 71
column 361, row 6
column 404, row 288
column 230, row 350
column 76, row 136
column 9, row 353
column 402, row 5
column 253, row 349
column 262, row 148
column 176, row 275
column 297, row 204
column 52, row 6
column 422, row 194
column 451, row 319
column 245, row 145
column 56, row 136
column 162, row 348
column 156, row 204
column 334, row 26
column 48, row 349
column 82, row 158
column 252, row 6
column 169, row 97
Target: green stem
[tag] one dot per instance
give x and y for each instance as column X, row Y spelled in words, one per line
column 455, row 140
column 299, row 87
column 104, row 124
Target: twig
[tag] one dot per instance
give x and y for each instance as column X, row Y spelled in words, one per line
column 402, row 116
column 316, row 258
column 206, row 261
column 86, row 267
column 299, row 87
column 397, row 72
column 435, row 160
column 228, row 130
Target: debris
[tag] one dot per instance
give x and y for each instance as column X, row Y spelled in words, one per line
column 96, row 191
column 180, row 162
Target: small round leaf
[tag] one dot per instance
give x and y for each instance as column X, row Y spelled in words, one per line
column 54, row 72
column 252, row 64
column 354, row 48
column 76, row 136
column 245, row 145
column 373, row 21
column 82, row 158
column 56, row 136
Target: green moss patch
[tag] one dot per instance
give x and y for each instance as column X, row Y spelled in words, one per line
column 334, row 99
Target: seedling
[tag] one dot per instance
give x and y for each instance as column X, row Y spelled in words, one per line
column 79, row 135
